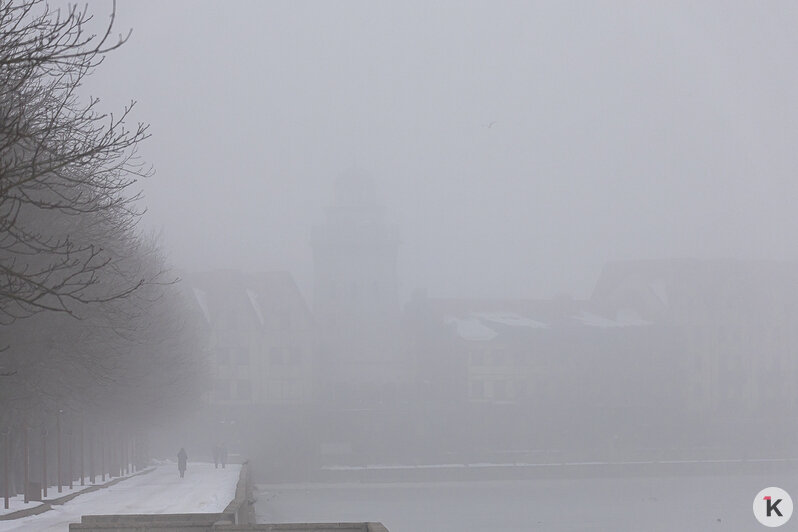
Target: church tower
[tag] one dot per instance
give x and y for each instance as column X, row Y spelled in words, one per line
column 356, row 301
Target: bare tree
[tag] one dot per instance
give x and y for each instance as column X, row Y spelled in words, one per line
column 65, row 167
column 70, row 247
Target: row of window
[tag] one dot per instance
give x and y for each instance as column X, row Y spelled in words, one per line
column 498, row 390
column 278, row 356
column 226, row 356
column 241, row 390
column 227, row 389
column 353, row 291
column 288, row 356
column 240, row 320
column 500, row 358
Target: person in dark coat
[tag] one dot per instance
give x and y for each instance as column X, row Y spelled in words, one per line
column 182, row 457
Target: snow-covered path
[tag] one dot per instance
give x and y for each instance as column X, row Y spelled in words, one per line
column 204, row 489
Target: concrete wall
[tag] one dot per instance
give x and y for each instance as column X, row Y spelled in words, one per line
column 242, row 506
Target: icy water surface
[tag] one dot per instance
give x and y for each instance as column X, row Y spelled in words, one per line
column 683, row 503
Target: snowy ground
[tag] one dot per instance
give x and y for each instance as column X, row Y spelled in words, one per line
column 17, row 502
column 204, row 489
column 683, row 503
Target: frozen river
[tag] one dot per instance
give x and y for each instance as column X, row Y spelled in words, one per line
column 683, row 503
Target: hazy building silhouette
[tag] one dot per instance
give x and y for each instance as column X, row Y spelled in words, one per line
column 356, row 296
column 737, row 318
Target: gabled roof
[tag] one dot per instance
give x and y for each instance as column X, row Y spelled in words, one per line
column 257, row 299
column 666, row 289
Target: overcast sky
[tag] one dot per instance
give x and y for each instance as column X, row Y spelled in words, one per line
column 517, row 146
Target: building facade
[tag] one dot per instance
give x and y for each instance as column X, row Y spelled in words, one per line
column 261, row 338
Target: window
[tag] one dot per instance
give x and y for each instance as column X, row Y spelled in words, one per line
column 290, row 390
column 244, row 390
column 221, row 389
column 333, row 291
column 295, row 358
column 500, row 390
column 273, row 390
column 283, row 319
column 478, row 390
column 222, row 356
column 276, row 356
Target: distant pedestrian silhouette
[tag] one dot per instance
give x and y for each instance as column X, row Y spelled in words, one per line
column 223, row 455
column 182, row 457
column 217, row 452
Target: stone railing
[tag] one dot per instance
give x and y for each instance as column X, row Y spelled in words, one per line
column 206, row 522
column 241, row 507
column 152, row 522
column 306, row 527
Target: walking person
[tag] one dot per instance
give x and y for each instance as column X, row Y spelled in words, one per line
column 182, row 458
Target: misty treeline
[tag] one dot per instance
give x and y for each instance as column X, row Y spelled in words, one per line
column 93, row 326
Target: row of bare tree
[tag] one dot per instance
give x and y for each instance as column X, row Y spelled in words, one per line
column 91, row 321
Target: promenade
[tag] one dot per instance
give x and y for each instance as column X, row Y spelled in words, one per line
column 161, row 491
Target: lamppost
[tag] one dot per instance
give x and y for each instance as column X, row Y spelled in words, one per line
column 26, row 463
column 44, row 461
column 6, row 444
column 91, row 454
column 58, row 448
column 118, row 450
column 123, row 450
column 103, row 443
column 82, row 482
column 69, row 456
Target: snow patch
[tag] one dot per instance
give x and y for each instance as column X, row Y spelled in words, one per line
column 202, row 301
column 471, row 329
column 512, row 319
column 253, row 300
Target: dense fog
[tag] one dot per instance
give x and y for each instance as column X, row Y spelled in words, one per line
column 501, row 251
